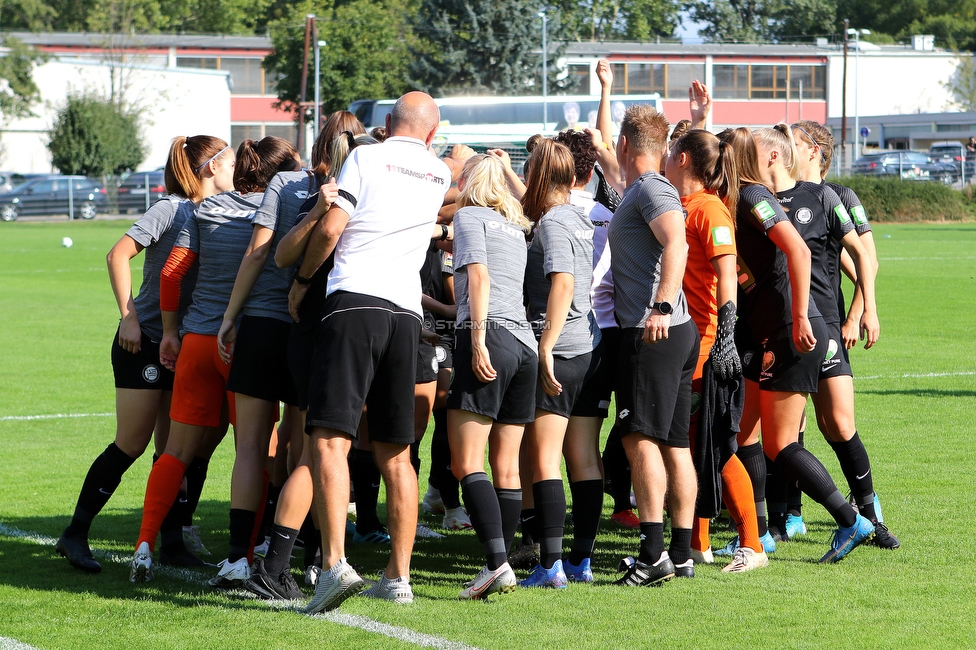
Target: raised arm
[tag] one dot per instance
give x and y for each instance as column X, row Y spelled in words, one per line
column 604, row 115
column 700, row 103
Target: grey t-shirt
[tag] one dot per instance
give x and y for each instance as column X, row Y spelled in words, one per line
column 563, row 243
column 219, row 234
column 635, row 260
column 482, row 236
column 279, row 211
column 156, row 232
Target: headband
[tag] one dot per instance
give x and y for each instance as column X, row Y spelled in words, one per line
column 212, row 158
column 812, row 140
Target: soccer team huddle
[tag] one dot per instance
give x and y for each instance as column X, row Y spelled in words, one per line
column 693, row 278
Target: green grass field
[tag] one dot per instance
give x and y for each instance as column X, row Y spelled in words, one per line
column 916, row 398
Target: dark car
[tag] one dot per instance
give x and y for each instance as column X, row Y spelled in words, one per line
column 953, row 153
column 907, row 165
column 50, row 195
column 135, row 189
column 10, row 180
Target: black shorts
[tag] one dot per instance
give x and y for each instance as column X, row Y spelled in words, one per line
column 594, row 399
column 750, row 350
column 301, row 350
column 365, row 354
column 654, row 383
column 837, row 361
column 260, row 367
column 427, row 365
column 787, row 371
column 572, row 374
column 510, row 397
column 142, row 370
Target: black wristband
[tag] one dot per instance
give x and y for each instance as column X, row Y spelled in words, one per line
column 444, row 233
column 300, row 280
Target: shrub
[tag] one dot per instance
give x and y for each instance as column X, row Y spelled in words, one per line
column 891, row 199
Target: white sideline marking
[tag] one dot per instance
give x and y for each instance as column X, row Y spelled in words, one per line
column 54, row 416
column 923, row 375
column 14, row 644
column 348, row 620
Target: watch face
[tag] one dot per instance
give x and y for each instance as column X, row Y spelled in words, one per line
column 665, row 308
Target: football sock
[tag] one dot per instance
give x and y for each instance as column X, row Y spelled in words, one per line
column 651, row 541
column 794, row 496
column 530, row 526
column 738, row 496
column 366, row 483
column 196, row 476
column 241, row 527
column 754, row 461
column 441, row 476
column 278, row 558
column 680, row 547
column 270, row 506
column 776, row 493
column 617, row 470
column 550, row 509
column 102, row 479
column 415, row 456
column 701, row 533
column 814, row 479
column 854, row 462
column 486, row 517
column 510, row 505
column 161, row 490
column 587, row 509
column 311, row 540
column 258, row 516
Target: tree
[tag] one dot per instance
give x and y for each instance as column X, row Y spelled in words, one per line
column 962, row 84
column 18, row 92
column 364, row 57
column 95, row 137
column 482, row 46
column 602, row 20
column 753, row 21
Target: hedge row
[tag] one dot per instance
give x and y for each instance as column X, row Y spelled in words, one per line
column 891, row 199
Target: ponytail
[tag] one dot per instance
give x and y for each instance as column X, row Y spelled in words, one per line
column 258, row 162
column 727, row 178
column 335, row 124
column 549, row 170
column 712, row 162
column 342, row 146
column 187, row 157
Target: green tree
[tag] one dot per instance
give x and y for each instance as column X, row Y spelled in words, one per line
column 602, row 20
column 962, row 85
column 34, row 15
column 365, row 54
column 753, row 21
column 18, row 92
column 482, row 46
column 95, row 137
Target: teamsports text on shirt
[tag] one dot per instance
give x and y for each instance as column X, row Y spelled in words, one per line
column 409, row 172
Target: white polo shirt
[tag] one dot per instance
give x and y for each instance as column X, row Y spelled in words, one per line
column 392, row 192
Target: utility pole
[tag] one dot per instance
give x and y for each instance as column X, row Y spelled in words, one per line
column 843, row 100
column 309, row 21
column 545, row 70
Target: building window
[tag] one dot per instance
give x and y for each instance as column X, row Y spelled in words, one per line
column 679, row 78
column 669, row 80
column 619, row 86
column 206, row 63
column 731, row 81
column 241, row 132
column 769, row 81
column 581, row 73
column 813, row 79
column 287, row 131
column 247, row 75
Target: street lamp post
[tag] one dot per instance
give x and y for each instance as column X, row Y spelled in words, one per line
column 545, row 69
column 318, row 89
column 857, row 33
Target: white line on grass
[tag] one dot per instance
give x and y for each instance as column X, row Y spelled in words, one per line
column 923, row 375
column 53, row 416
column 348, row 620
column 14, row 644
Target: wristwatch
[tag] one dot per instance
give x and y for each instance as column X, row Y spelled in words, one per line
column 663, row 307
column 300, row 280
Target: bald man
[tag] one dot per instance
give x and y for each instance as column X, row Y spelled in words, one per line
column 380, row 228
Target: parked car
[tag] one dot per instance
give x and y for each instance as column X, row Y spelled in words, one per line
column 953, row 153
column 10, row 180
column 908, row 165
column 49, row 195
column 135, row 188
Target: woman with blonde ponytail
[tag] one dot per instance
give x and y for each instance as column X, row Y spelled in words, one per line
column 495, row 364
column 143, row 386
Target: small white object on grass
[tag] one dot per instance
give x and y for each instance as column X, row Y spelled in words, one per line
column 66, row 242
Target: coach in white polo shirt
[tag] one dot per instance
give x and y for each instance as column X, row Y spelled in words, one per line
column 366, row 353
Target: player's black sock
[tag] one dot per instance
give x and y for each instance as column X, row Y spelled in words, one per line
column 241, row 527
column 856, row 465
column 311, row 540
column 510, row 505
column 441, row 476
column 270, row 506
column 813, row 478
column 587, row 508
column 196, row 476
column 415, row 456
column 651, row 541
column 755, row 463
column 680, row 547
column 794, row 495
column 278, row 558
column 617, row 470
column 366, row 483
column 777, row 489
column 486, row 517
column 103, row 477
column 530, row 526
column 550, row 508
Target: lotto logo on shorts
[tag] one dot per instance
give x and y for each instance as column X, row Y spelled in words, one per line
column 842, row 214
column 857, row 213
column 764, row 211
column 623, row 414
column 151, row 373
column 722, row 236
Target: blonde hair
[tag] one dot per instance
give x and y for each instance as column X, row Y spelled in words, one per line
column 187, row 157
column 342, row 146
column 646, row 129
column 485, row 186
column 780, row 139
column 821, row 136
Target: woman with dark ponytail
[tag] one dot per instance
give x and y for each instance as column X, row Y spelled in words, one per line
column 143, row 387
column 218, row 235
column 703, row 169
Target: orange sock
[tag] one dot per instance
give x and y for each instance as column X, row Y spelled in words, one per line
column 699, row 534
column 738, row 496
column 259, row 516
column 161, row 490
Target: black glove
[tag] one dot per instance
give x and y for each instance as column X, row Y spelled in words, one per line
column 724, row 357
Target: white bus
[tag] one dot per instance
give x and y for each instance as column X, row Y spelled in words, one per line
column 505, row 122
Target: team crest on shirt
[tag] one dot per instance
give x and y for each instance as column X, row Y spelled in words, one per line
column 695, row 402
column 804, row 215
column 768, row 360
column 151, row 373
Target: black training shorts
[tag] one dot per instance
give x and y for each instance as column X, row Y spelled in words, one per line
column 260, row 367
column 594, row 399
column 572, row 374
column 142, row 370
column 427, row 365
column 837, row 362
column 784, row 369
column 365, row 354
